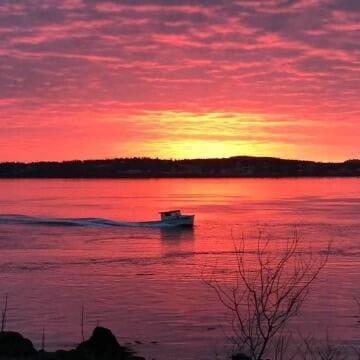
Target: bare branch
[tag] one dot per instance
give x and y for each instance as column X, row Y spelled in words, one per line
column 3, row 317
column 268, row 291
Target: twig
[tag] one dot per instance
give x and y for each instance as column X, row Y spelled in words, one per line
column 3, row 318
column 43, row 339
column 82, row 322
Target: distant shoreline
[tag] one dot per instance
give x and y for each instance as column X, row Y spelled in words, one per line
column 147, row 168
column 184, row 177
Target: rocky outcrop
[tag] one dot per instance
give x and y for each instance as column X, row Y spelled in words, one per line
column 102, row 345
column 13, row 344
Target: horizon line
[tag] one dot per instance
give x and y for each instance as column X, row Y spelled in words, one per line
column 176, row 160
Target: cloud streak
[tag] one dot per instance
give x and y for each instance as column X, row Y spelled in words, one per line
column 72, row 65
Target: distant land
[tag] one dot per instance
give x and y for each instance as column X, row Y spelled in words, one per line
column 239, row 166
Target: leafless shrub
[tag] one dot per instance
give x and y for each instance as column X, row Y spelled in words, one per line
column 82, row 322
column 269, row 289
column 357, row 349
column 356, row 353
column 358, row 305
column 43, row 339
column 326, row 350
column 4, row 313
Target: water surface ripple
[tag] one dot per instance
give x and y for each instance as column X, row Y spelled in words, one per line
column 147, row 283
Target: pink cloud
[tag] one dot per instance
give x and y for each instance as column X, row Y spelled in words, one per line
column 76, row 63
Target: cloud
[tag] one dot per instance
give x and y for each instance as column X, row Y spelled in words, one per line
column 64, row 62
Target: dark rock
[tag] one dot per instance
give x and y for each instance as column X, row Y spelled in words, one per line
column 102, row 345
column 15, row 345
column 240, row 356
column 65, row 355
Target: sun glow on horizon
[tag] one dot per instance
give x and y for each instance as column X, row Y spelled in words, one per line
column 174, row 134
column 186, row 135
column 106, row 79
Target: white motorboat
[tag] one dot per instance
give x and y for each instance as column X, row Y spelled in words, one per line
column 171, row 218
column 175, row 218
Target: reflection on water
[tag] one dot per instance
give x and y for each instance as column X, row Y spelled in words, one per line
column 146, row 284
column 176, row 235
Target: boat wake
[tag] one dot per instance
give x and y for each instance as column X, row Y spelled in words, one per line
column 47, row 221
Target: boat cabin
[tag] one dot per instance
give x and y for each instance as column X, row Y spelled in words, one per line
column 165, row 215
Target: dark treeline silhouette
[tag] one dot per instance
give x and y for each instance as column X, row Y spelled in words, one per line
column 241, row 166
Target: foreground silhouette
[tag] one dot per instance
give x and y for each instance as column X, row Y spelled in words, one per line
column 102, row 345
column 267, row 290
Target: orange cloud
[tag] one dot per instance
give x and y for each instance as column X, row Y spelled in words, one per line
column 153, row 77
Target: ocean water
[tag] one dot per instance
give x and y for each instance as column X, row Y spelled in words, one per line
column 147, row 284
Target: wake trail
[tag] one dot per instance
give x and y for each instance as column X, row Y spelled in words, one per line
column 49, row 221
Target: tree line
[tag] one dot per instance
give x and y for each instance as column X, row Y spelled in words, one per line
column 241, row 166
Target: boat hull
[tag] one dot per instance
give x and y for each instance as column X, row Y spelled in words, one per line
column 183, row 221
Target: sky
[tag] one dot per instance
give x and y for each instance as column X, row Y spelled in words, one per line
column 179, row 79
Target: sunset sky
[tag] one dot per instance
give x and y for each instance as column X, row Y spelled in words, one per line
column 179, row 79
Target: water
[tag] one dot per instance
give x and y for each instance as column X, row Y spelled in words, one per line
column 146, row 284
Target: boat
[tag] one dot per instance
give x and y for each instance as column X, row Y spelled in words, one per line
column 169, row 219
column 175, row 218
